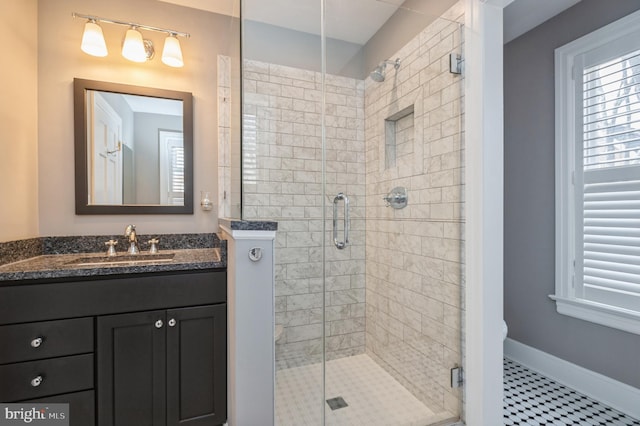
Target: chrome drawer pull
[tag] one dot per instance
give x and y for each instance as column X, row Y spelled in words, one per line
column 159, row 324
column 172, row 322
column 35, row 343
column 37, row 381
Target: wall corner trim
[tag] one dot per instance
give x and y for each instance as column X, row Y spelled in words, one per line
column 613, row 393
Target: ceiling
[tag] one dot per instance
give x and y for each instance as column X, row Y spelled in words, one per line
column 357, row 20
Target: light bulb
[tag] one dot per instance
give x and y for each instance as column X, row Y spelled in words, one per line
column 133, row 46
column 93, row 40
column 171, row 53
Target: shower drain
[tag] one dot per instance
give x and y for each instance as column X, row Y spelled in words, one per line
column 336, row 403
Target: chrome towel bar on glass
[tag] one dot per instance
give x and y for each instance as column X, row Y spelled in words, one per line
column 341, row 244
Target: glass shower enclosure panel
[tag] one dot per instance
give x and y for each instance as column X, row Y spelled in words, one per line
column 352, row 142
column 393, row 149
column 282, row 181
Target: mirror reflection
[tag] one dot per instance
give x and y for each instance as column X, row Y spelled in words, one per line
column 135, row 149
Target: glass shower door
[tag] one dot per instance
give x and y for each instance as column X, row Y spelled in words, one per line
column 282, row 181
column 393, row 197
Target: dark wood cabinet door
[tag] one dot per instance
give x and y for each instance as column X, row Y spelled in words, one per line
column 131, row 369
column 197, row 366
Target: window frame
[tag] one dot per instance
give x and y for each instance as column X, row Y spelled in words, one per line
column 568, row 123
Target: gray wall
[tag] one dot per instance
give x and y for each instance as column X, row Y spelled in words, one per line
column 278, row 45
column 529, row 201
column 146, row 153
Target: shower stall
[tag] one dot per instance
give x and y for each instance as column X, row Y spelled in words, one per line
column 352, row 141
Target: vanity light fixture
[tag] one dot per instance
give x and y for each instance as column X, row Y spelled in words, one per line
column 172, row 54
column 134, row 47
column 93, row 40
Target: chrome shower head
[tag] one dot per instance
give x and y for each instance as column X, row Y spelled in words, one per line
column 378, row 74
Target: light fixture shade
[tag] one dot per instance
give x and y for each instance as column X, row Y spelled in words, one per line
column 133, row 46
column 171, row 53
column 93, row 40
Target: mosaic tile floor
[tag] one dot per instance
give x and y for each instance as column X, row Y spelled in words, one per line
column 372, row 396
column 532, row 399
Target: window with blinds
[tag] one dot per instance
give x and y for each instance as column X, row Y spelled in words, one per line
column 610, row 249
column 598, row 176
column 171, row 167
column 176, row 175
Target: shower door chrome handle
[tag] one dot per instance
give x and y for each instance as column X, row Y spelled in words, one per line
column 341, row 244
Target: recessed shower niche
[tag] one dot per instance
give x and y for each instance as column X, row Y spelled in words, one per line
column 399, row 136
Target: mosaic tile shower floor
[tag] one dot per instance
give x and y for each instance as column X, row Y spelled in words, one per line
column 531, row 399
column 374, row 398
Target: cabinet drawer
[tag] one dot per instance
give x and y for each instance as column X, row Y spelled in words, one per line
column 82, row 410
column 38, row 340
column 57, row 375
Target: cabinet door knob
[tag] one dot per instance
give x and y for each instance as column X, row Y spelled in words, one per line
column 36, row 381
column 35, row 343
column 172, row 322
column 159, row 324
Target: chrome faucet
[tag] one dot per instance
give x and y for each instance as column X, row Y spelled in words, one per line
column 130, row 232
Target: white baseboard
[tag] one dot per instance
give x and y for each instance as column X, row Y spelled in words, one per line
column 611, row 392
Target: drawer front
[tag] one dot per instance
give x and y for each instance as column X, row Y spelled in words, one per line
column 48, row 339
column 36, row 379
column 82, row 411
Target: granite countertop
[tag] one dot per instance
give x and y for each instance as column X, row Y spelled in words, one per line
column 59, row 257
column 248, row 225
column 63, row 265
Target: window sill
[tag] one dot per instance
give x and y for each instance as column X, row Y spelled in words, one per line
column 598, row 313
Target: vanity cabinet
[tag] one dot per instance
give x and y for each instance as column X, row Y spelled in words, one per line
column 163, row 367
column 139, row 349
column 46, row 358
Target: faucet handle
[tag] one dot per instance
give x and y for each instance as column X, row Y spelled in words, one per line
column 154, row 245
column 111, row 251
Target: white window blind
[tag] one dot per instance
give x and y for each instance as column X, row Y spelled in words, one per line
column 171, row 167
column 609, row 268
column 598, row 176
column 176, row 175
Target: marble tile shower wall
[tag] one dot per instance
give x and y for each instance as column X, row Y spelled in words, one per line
column 282, row 181
column 413, row 255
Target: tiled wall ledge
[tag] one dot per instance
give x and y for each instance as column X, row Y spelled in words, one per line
column 14, row 251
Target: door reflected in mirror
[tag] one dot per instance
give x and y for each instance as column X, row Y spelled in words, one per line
column 135, row 150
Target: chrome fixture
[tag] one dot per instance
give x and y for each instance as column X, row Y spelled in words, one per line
column 134, row 47
column 397, row 198
column 455, row 63
column 379, row 73
column 154, row 245
column 341, row 244
column 130, row 232
column 111, row 250
column 205, row 200
column 37, row 381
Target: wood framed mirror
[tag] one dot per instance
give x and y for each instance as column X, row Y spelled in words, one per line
column 133, row 149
